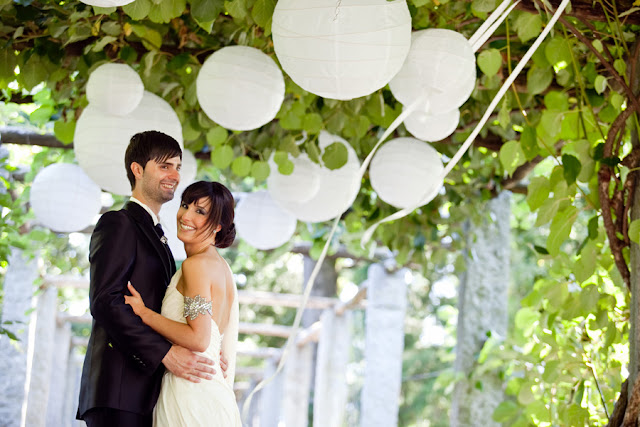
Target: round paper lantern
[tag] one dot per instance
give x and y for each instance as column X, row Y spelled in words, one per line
column 168, row 219
column 107, row 3
column 115, row 89
column 404, row 171
column 441, row 65
column 300, row 186
column 189, row 167
column 432, row 127
column 64, row 198
column 338, row 187
column 262, row 223
column 101, row 139
column 240, row 88
column 341, row 50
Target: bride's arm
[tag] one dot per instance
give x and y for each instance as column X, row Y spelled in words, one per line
column 196, row 334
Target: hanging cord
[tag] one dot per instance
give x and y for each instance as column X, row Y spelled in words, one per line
column 404, row 212
column 482, row 39
column 489, row 22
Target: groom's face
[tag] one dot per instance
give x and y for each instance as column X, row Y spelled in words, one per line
column 160, row 180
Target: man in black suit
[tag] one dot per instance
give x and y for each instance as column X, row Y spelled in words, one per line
column 126, row 359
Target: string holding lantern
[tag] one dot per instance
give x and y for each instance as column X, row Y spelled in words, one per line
column 338, row 188
column 404, row 171
column 240, row 88
column 115, row 89
column 262, row 223
column 341, row 51
column 101, row 139
column 64, row 198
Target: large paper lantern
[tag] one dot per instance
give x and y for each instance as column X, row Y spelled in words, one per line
column 432, row 127
column 299, row 186
column 441, row 65
column 262, row 223
column 64, row 198
column 115, row 89
column 338, row 188
column 341, row 50
column 240, row 88
column 405, row 171
column 101, row 139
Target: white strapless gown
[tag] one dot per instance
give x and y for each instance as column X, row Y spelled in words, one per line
column 209, row 403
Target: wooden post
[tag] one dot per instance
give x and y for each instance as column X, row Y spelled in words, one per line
column 297, row 384
column 482, row 308
column 384, row 343
column 331, row 389
column 17, row 300
column 39, row 374
column 271, row 396
column 59, row 374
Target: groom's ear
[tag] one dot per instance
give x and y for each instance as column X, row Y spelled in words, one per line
column 137, row 170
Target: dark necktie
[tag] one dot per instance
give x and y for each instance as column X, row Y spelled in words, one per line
column 160, row 233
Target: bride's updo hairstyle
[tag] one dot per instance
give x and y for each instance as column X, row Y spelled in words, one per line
column 221, row 211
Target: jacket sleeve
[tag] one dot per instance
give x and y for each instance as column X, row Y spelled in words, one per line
column 113, row 257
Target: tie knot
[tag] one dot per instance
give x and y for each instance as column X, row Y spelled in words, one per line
column 159, row 230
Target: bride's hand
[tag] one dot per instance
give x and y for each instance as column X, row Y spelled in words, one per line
column 135, row 300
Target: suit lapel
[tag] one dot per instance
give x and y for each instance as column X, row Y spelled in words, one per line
column 144, row 222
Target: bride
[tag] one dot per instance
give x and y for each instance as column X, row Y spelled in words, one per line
column 199, row 311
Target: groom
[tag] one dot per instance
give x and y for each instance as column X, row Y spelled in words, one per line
column 125, row 359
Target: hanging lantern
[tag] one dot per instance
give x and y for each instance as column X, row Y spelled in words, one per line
column 115, row 89
column 101, row 139
column 338, row 188
column 262, row 223
column 240, row 88
column 405, row 171
column 107, row 3
column 341, row 50
column 64, row 198
column 189, row 168
column 441, row 66
column 432, row 127
column 299, row 186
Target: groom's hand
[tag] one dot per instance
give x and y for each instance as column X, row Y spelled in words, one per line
column 184, row 363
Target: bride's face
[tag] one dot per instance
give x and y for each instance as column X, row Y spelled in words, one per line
column 192, row 222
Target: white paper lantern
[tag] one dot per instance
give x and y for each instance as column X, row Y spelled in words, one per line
column 240, row 88
column 168, row 219
column 64, row 198
column 115, row 89
column 432, row 127
column 107, row 3
column 404, row 171
column 189, row 167
column 300, row 186
column 262, row 223
column 101, row 139
column 440, row 64
column 341, row 50
column 338, row 188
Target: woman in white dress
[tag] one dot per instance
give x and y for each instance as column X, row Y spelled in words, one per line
column 199, row 312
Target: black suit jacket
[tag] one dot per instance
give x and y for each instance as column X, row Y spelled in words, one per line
column 122, row 367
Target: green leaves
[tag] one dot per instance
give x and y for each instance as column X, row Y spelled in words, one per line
column 528, row 25
column 221, row 157
column 511, row 156
column 335, row 156
column 241, row 166
column 634, row 231
column 558, row 52
column 490, row 61
column 538, row 79
column 64, row 131
column 137, row 10
column 285, row 166
column 571, row 168
column 262, row 12
column 560, row 229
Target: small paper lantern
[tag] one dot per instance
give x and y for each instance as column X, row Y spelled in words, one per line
column 115, row 89
column 404, row 171
column 441, row 65
column 262, row 223
column 101, row 139
column 432, row 127
column 240, row 88
column 64, row 198
column 107, row 3
column 300, row 186
column 338, row 187
column 189, row 168
column 168, row 219
column 341, row 50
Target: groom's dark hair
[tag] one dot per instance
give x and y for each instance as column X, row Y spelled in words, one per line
column 149, row 145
